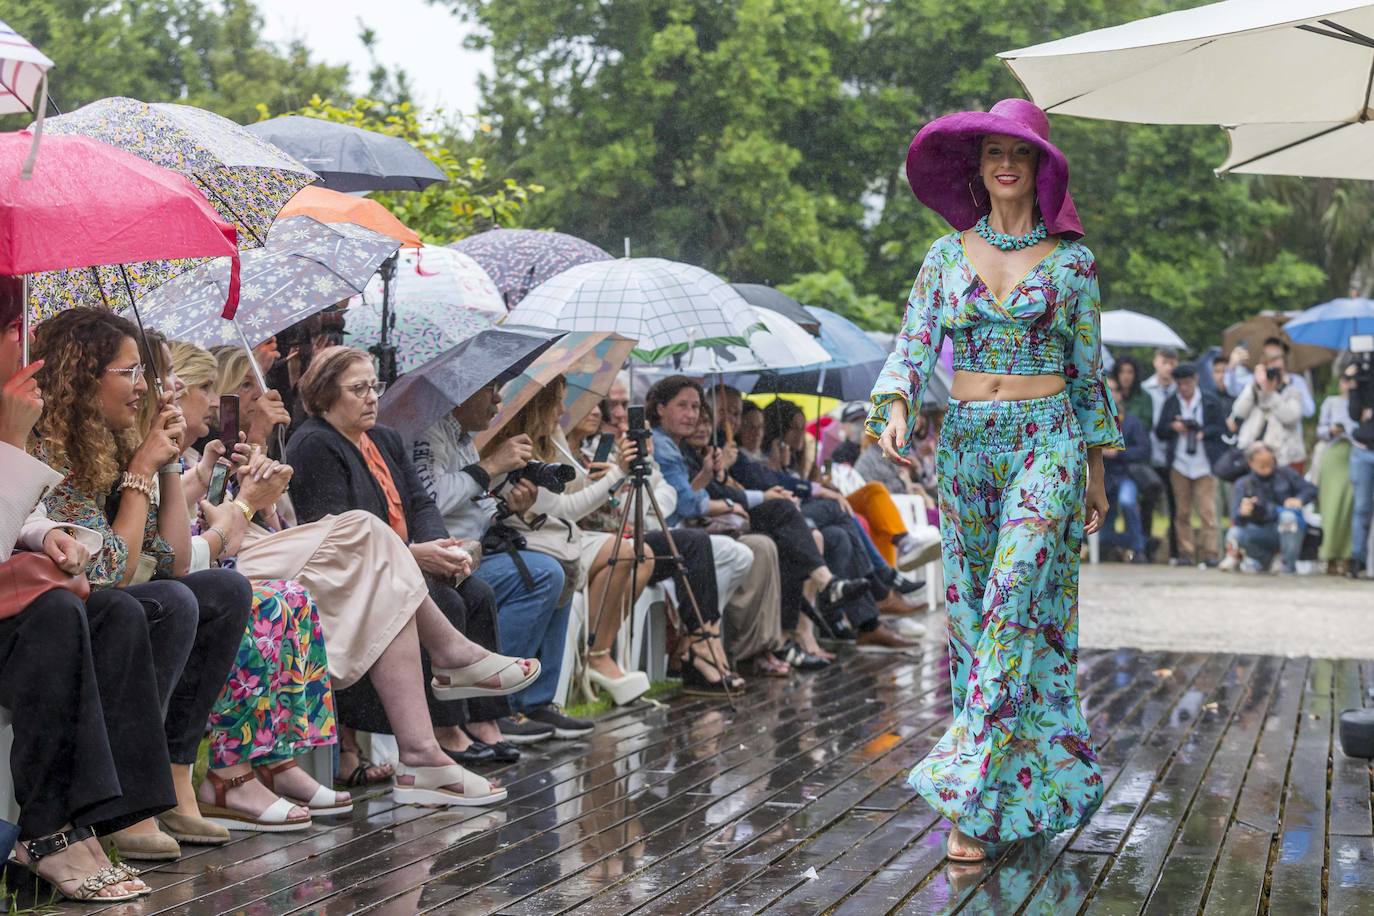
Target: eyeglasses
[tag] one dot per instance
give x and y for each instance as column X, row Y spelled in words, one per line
column 361, row 389
column 133, row 373
column 1349, row 378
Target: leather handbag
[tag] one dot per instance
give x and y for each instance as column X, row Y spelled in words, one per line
column 26, row 576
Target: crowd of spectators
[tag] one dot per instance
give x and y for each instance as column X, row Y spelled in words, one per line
column 255, row 584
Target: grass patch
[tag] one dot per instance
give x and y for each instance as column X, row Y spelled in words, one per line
column 603, row 704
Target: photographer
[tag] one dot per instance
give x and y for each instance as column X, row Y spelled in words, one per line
column 529, row 585
column 1362, row 460
column 1191, row 425
column 1267, row 513
column 1273, row 355
column 1270, row 410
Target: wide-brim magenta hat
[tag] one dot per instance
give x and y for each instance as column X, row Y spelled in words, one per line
column 942, row 165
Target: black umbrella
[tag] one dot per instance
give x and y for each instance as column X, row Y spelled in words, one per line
column 422, row 397
column 349, row 158
column 766, row 297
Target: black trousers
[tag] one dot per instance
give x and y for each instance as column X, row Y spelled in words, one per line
column 848, row 558
column 79, row 683
column 471, row 608
column 216, row 602
column 698, row 572
column 798, row 556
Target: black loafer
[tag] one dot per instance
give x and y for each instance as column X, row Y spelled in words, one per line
column 501, row 752
column 476, row 755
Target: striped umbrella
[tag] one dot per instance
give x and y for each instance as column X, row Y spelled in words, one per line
column 666, row 306
column 23, row 84
column 518, row 260
column 246, row 179
column 587, row 360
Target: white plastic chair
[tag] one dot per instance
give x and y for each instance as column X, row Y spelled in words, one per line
column 913, row 510
column 9, row 809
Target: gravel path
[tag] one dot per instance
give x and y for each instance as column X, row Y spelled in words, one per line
column 1161, row 607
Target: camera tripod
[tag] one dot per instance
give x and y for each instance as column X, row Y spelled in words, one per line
column 631, row 519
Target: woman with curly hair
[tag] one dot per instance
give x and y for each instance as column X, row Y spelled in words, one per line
column 94, row 385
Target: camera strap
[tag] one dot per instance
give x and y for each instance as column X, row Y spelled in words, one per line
column 520, row 566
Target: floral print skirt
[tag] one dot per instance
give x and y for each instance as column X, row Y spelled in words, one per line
column 1018, row 759
column 278, row 702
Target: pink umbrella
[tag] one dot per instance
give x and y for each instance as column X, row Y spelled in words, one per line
column 89, row 205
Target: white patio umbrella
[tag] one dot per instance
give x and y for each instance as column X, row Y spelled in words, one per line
column 1236, row 62
column 1124, row 328
column 667, row 306
column 23, row 84
column 779, row 344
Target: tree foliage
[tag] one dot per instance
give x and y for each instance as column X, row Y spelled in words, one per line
column 202, row 53
column 765, row 140
column 472, row 200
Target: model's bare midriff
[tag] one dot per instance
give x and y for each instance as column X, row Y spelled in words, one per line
column 993, row 386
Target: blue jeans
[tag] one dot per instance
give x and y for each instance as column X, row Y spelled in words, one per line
column 1362, row 480
column 532, row 625
column 1261, row 542
column 1126, row 501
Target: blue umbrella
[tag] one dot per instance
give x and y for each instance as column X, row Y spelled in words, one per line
column 1333, row 323
column 855, row 362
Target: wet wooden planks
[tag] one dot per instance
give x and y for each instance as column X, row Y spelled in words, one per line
column 1225, row 793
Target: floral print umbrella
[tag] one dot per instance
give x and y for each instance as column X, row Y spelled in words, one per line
column 518, row 260
column 306, row 267
column 245, row 178
column 587, row 360
column 439, row 298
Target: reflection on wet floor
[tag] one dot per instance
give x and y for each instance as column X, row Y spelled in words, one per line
column 796, row 802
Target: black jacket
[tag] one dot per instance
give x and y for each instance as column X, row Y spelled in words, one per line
column 1270, row 492
column 1137, row 451
column 332, row 477
column 1213, row 427
column 1360, row 399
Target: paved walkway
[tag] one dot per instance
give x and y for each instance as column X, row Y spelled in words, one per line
column 1162, row 607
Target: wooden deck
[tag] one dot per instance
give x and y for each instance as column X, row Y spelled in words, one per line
column 1226, row 794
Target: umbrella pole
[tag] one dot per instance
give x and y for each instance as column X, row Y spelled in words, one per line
column 24, row 320
column 258, row 377
column 385, row 353
column 820, row 439
column 142, row 333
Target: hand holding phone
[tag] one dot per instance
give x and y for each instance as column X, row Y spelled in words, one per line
column 219, row 480
column 603, row 448
column 229, row 420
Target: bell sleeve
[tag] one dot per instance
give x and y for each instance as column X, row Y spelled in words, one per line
column 1092, row 402
column 908, row 367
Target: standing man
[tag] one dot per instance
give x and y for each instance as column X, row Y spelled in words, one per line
column 1191, row 426
column 1160, row 387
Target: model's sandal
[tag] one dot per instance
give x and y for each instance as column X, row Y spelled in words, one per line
column 463, row 683
column 973, row 856
column 82, row 890
column 431, row 786
column 324, row 801
column 276, row 819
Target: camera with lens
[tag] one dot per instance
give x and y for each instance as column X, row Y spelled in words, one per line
column 1362, row 349
column 552, row 477
column 1192, row 430
column 639, row 433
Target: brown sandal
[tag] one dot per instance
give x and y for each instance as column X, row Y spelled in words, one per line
column 276, row 819
column 324, row 801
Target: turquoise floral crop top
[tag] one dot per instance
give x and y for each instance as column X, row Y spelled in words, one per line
column 1047, row 325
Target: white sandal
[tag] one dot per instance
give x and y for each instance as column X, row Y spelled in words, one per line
column 463, row 682
column 276, row 819
column 430, row 782
column 324, row 801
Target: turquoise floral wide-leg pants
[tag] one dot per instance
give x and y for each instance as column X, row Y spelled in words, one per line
column 1018, row 759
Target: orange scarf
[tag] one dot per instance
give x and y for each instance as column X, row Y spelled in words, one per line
column 395, row 512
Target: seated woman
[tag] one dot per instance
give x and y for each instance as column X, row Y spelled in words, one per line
column 584, row 554
column 673, row 409
column 753, row 595
column 74, row 677
column 848, row 547
column 93, row 378
column 349, row 463
column 277, row 704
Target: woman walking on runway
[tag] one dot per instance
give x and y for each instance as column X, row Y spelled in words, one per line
column 1020, row 467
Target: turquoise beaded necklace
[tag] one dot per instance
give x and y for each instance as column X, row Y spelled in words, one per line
column 1009, row 242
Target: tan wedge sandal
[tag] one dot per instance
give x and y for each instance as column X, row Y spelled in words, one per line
column 324, row 801
column 276, row 819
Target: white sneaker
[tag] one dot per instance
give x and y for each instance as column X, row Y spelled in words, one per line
column 905, row 626
column 1251, row 567
column 918, row 549
column 1229, row 563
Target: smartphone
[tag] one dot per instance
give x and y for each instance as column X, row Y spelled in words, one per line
column 603, row 449
column 229, row 421
column 219, row 479
column 637, row 417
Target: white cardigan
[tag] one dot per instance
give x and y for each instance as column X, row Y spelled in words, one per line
column 24, row 523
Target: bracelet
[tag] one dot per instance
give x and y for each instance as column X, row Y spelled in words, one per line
column 171, row 467
column 137, row 482
column 246, row 509
column 223, row 540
